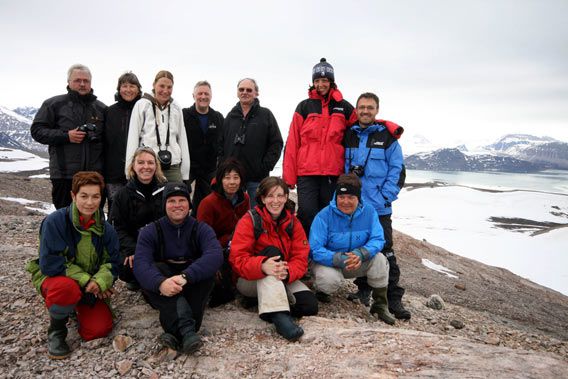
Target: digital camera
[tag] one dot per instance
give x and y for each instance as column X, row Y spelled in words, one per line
column 90, row 129
column 357, row 170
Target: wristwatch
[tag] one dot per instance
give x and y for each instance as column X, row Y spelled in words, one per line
column 184, row 276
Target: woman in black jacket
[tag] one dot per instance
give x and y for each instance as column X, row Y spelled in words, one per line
column 117, row 120
column 135, row 205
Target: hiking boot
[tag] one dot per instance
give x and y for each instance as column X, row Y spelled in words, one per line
column 380, row 306
column 169, row 340
column 191, row 343
column 323, row 297
column 249, row 302
column 363, row 295
column 286, row 327
column 132, row 286
column 57, row 348
column 398, row 310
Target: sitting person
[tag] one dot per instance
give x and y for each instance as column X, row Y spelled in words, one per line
column 176, row 260
column 221, row 210
column 269, row 254
column 136, row 205
column 346, row 239
column 77, row 265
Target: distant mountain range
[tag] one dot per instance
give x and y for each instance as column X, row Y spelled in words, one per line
column 511, row 153
column 15, row 130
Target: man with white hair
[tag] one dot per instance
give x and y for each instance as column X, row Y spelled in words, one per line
column 72, row 126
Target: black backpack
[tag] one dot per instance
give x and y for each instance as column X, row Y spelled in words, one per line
column 257, row 224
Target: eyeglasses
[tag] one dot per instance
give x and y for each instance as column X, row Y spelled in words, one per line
column 249, row 90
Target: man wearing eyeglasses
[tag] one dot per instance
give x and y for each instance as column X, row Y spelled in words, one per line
column 251, row 134
column 72, row 126
column 375, row 156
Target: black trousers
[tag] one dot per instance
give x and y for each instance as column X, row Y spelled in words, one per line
column 314, row 193
column 182, row 313
column 61, row 192
column 202, row 189
column 394, row 290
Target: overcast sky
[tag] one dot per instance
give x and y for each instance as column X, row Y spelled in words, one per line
column 452, row 71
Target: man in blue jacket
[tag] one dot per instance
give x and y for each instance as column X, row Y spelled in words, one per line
column 346, row 239
column 176, row 260
column 373, row 154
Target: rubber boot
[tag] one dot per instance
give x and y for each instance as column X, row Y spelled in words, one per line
column 363, row 293
column 398, row 310
column 380, row 306
column 286, row 327
column 57, row 348
column 191, row 343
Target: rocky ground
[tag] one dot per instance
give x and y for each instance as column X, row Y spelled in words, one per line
column 493, row 324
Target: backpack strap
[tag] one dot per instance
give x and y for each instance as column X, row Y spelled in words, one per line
column 256, row 223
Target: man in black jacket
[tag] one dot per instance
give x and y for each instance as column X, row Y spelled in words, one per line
column 251, row 134
column 72, row 126
column 203, row 127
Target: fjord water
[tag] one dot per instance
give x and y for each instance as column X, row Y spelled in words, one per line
column 553, row 181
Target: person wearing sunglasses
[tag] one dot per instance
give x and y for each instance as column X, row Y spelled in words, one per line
column 251, row 135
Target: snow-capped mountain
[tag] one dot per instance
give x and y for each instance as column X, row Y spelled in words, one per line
column 27, row 112
column 510, row 153
column 533, row 149
column 455, row 160
column 17, row 128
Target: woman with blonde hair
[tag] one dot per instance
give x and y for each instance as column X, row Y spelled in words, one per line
column 157, row 122
column 135, row 205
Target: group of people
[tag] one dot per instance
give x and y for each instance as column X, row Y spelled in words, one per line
column 239, row 232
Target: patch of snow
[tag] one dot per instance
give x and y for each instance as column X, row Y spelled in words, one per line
column 436, row 267
column 457, row 219
column 15, row 115
column 39, row 176
column 45, row 208
column 12, row 160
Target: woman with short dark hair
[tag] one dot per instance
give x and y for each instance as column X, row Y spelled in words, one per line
column 221, row 210
column 77, row 265
column 117, row 121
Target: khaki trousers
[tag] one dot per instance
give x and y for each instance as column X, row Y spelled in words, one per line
column 328, row 279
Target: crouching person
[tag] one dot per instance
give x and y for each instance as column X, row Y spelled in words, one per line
column 269, row 254
column 77, row 265
column 346, row 239
column 176, row 261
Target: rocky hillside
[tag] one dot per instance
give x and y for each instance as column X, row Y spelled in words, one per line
column 493, row 323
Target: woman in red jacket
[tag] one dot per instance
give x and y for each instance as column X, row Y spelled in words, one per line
column 222, row 209
column 269, row 254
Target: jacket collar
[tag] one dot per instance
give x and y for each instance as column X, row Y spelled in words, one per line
column 82, row 98
column 334, row 94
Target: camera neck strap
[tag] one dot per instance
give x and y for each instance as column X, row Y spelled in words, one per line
column 366, row 159
column 158, row 132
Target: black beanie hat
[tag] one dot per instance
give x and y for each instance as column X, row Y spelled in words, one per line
column 175, row 189
column 323, row 70
column 348, row 189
